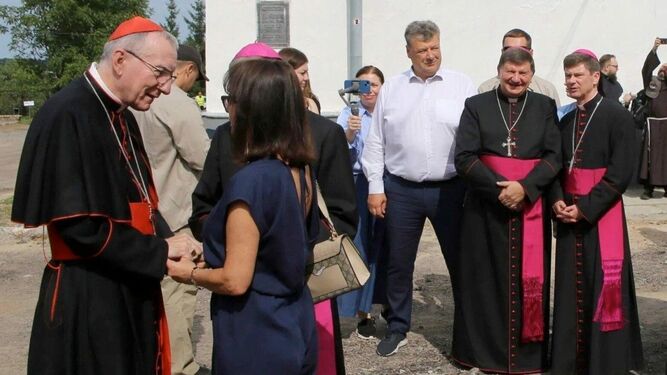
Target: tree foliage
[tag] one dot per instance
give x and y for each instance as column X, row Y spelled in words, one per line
column 171, row 24
column 22, row 80
column 66, row 34
column 196, row 21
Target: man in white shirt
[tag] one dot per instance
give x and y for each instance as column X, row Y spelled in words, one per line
column 520, row 38
column 409, row 162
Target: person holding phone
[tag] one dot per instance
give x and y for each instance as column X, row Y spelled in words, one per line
column 653, row 168
column 357, row 122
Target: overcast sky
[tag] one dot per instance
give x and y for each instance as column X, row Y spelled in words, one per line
column 159, row 14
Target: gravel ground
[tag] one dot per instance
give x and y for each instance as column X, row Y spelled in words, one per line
column 22, row 260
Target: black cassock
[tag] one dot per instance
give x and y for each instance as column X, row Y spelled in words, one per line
column 579, row 345
column 488, row 319
column 98, row 314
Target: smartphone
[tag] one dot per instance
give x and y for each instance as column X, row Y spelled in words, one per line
column 362, row 86
column 663, row 40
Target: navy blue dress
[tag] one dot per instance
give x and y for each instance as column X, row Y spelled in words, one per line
column 271, row 328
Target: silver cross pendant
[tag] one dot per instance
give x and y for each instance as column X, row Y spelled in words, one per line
column 509, row 144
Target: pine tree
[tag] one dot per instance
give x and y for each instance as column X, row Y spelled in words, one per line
column 170, row 23
column 196, row 22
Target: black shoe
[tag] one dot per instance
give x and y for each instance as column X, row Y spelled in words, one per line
column 203, row 371
column 366, row 328
column 646, row 195
column 390, row 344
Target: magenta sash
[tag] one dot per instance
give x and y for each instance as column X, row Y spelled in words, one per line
column 609, row 311
column 532, row 251
column 326, row 342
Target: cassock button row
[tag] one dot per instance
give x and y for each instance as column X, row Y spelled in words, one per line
column 579, row 272
column 513, row 311
column 513, row 320
column 513, row 302
column 581, row 311
column 513, row 346
column 513, row 256
column 580, row 321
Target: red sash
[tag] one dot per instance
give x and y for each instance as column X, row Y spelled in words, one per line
column 532, row 250
column 141, row 221
column 609, row 311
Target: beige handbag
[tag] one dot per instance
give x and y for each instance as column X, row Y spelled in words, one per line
column 337, row 267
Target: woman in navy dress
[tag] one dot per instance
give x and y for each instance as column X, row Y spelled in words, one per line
column 260, row 234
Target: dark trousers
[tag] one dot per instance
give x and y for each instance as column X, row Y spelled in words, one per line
column 408, row 206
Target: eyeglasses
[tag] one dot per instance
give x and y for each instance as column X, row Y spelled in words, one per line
column 162, row 75
column 226, row 100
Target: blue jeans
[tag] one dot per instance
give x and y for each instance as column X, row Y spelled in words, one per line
column 409, row 204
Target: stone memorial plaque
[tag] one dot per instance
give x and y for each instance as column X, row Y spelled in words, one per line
column 273, row 23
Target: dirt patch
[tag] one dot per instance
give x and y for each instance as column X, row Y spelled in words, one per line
column 22, row 261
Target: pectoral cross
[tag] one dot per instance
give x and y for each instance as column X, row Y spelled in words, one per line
column 509, row 144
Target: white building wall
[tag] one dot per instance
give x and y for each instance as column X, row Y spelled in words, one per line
column 471, row 33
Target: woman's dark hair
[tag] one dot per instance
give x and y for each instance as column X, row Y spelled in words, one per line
column 370, row 69
column 269, row 113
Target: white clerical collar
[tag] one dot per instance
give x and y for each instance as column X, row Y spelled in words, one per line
column 100, row 82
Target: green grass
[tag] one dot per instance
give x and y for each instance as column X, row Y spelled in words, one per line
column 25, row 120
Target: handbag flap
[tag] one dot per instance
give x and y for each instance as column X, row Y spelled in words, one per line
column 327, row 249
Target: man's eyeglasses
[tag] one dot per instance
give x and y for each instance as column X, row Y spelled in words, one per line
column 226, row 100
column 162, row 75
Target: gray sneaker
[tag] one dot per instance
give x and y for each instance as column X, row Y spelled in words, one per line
column 391, row 343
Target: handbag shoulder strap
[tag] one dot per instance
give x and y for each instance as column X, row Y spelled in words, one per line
column 325, row 212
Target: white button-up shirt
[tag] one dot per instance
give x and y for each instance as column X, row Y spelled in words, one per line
column 414, row 126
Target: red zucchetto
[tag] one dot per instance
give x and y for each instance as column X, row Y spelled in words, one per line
column 134, row 25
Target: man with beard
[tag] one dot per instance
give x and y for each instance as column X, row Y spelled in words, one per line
column 609, row 85
column 508, row 153
column 595, row 325
column 653, row 170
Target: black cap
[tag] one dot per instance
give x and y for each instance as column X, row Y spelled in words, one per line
column 187, row 53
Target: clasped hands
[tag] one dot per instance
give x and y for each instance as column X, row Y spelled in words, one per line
column 566, row 214
column 184, row 254
column 511, row 195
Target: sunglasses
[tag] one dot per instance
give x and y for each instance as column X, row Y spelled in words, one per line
column 226, row 100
